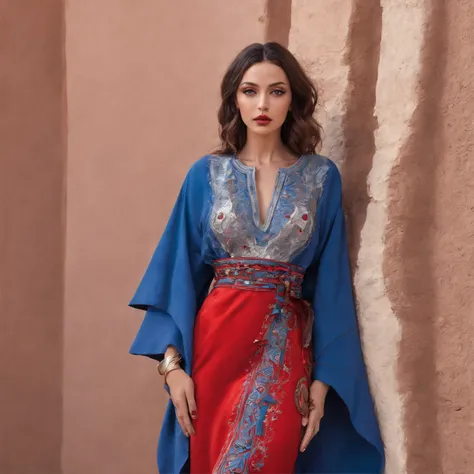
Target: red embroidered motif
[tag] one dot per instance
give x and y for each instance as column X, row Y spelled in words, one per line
column 302, row 396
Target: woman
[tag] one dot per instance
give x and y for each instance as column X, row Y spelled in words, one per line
column 253, row 361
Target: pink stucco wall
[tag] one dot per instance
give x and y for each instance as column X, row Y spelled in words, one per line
column 143, row 85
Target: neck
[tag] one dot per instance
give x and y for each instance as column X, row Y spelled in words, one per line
column 263, row 150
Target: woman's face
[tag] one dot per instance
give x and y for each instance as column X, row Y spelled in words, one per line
column 264, row 98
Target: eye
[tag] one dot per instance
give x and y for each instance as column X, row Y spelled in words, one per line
column 278, row 92
column 248, row 92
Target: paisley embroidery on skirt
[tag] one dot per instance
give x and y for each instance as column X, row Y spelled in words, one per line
column 251, row 424
column 263, row 391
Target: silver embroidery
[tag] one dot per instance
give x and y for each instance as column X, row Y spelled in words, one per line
column 230, row 216
column 293, row 216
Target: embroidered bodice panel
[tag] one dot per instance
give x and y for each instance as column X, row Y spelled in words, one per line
column 291, row 216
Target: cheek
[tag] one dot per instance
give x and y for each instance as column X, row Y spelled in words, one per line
column 245, row 108
column 280, row 108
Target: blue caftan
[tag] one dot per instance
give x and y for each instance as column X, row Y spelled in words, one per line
column 216, row 217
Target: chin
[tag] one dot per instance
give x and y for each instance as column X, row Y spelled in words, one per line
column 268, row 130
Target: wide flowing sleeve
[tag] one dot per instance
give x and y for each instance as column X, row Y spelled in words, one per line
column 177, row 278
column 349, row 439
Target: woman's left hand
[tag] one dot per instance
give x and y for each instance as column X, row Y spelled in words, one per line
column 317, row 396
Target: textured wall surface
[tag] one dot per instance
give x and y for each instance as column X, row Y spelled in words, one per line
column 142, row 78
column 452, row 230
column 32, row 191
column 396, row 85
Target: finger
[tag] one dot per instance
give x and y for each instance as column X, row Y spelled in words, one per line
column 187, row 422
column 317, row 424
column 310, row 430
column 191, row 403
column 307, row 438
column 181, row 410
column 185, row 415
column 304, row 420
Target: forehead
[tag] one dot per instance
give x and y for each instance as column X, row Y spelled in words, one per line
column 264, row 73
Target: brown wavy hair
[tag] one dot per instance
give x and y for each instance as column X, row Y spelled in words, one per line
column 300, row 132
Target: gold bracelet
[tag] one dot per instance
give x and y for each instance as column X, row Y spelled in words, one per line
column 163, row 366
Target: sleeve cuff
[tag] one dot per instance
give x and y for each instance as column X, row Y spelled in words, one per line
column 156, row 333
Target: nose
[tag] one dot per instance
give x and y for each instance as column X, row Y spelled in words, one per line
column 263, row 102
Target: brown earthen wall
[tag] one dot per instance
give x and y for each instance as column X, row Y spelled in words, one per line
column 405, row 150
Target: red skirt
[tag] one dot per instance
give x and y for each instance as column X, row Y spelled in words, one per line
column 251, row 369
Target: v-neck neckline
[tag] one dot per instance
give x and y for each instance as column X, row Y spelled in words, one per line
column 278, row 186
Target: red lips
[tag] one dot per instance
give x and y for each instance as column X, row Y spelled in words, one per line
column 263, row 118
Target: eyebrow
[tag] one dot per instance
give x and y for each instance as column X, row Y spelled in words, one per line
column 256, row 85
